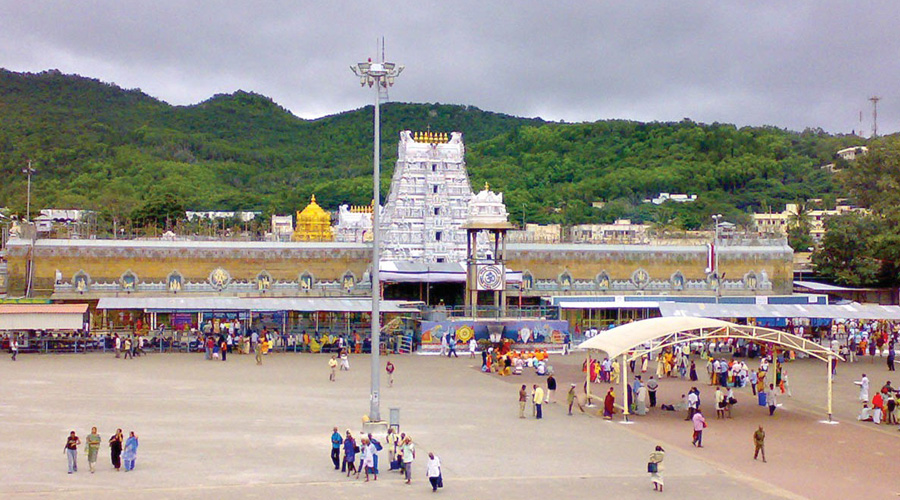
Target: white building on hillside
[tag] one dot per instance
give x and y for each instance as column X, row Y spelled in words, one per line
column 282, row 227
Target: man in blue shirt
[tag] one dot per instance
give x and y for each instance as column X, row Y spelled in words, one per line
column 336, row 441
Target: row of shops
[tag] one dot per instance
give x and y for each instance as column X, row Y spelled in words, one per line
column 564, row 319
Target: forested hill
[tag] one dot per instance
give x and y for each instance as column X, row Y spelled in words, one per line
column 98, row 146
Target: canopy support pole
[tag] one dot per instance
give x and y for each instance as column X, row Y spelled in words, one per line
column 830, row 388
column 624, row 388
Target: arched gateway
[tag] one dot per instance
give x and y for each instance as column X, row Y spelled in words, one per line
column 633, row 340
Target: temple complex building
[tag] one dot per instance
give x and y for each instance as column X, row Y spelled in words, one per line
column 423, row 259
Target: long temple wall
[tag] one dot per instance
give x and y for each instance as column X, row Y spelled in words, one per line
column 153, row 261
column 553, row 269
column 581, row 269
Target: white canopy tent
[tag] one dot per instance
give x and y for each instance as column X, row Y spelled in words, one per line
column 42, row 316
column 634, row 340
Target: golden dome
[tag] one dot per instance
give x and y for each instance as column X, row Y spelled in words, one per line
column 313, row 212
column 313, row 223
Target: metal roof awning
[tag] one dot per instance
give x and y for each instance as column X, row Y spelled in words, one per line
column 642, row 304
column 847, row 311
column 42, row 316
column 825, row 287
column 254, row 304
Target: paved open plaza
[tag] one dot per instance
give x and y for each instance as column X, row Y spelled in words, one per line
column 212, row 429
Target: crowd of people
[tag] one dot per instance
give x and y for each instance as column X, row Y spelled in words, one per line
column 505, row 361
column 360, row 456
column 121, row 450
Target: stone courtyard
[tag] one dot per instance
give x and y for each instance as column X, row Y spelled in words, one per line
column 211, row 429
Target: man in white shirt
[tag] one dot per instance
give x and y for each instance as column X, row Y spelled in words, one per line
column 693, row 403
column 434, row 472
column 863, row 388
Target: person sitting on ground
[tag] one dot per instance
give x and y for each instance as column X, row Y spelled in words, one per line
column 519, row 364
column 865, row 414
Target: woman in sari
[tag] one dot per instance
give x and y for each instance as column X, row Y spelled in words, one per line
column 656, row 459
column 609, row 404
column 115, row 449
column 130, row 453
column 93, row 448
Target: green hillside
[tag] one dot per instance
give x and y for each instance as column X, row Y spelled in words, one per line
column 101, row 147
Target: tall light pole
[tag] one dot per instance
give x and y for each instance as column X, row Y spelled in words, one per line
column 28, row 171
column 379, row 75
column 717, row 217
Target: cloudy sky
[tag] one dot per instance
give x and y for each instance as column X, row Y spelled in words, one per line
column 790, row 64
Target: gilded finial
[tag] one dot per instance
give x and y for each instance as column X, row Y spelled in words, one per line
column 487, row 187
column 313, row 199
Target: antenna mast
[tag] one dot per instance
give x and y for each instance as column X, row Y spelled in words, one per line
column 875, row 100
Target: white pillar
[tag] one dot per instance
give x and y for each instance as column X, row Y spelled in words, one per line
column 625, row 386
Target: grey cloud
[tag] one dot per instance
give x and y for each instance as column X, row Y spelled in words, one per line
column 795, row 65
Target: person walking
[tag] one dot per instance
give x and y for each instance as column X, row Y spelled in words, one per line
column 523, row 398
column 551, row 389
column 117, row 344
column 128, row 349
column 434, row 472
column 71, row 451
column 473, row 345
column 863, row 384
column 609, row 404
column 223, row 349
column 336, row 442
column 389, row 368
column 699, row 424
column 368, row 460
column 538, row 402
column 130, row 453
column 572, row 398
column 257, row 349
column 451, row 341
column 14, row 348
column 93, row 448
column 115, row 449
column 770, row 399
column 759, row 443
column 332, row 364
column 408, row 451
column 655, row 467
column 349, row 454
column 652, row 386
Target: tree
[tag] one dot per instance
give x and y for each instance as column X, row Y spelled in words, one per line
column 847, row 254
column 798, row 228
column 162, row 212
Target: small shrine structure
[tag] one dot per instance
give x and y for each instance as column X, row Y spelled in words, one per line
column 313, row 224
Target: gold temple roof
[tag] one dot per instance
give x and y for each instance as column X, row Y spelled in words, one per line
column 432, row 137
column 313, row 212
